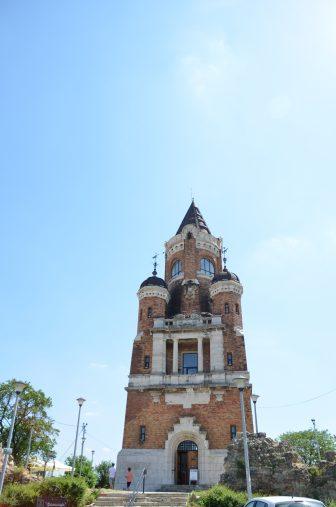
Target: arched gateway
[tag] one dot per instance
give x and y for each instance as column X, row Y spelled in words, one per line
column 187, row 463
column 182, row 404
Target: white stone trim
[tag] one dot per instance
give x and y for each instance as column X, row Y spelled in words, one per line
column 225, row 286
column 188, row 397
column 161, row 380
column 175, row 278
column 153, row 291
column 177, row 247
column 211, row 246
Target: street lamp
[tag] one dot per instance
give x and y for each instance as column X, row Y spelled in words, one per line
column 316, row 440
column 254, row 398
column 241, row 383
column 92, row 453
column 80, row 402
column 18, row 388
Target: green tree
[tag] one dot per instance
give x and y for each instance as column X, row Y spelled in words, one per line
column 304, row 442
column 87, row 471
column 31, row 415
column 103, row 474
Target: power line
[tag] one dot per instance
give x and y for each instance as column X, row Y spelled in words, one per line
column 64, row 424
column 98, row 440
column 301, row 402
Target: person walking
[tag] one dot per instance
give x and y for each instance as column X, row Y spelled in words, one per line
column 112, row 474
column 129, row 478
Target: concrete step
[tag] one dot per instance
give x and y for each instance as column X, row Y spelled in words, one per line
column 162, row 499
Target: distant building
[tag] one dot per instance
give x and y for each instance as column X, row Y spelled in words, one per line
column 182, row 407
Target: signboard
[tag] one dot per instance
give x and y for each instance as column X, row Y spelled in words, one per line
column 51, row 502
column 193, row 475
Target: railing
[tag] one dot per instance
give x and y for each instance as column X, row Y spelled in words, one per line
column 140, row 485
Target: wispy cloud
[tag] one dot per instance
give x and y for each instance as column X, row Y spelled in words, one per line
column 278, row 249
column 92, row 414
column 98, row 365
column 207, row 67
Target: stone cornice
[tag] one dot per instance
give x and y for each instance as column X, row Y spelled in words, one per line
column 153, row 291
column 226, row 286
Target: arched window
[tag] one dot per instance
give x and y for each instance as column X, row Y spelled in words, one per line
column 237, row 309
column 177, row 268
column 187, row 445
column 207, row 268
column 150, row 312
column 226, row 308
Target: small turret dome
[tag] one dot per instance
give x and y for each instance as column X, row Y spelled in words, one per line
column 225, row 275
column 154, row 280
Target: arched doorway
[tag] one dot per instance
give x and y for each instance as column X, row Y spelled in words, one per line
column 186, row 461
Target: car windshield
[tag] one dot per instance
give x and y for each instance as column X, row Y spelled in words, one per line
column 298, row 503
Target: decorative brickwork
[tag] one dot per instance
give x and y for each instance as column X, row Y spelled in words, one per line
column 188, row 349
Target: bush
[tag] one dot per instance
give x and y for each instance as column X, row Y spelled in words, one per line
column 74, row 490
column 102, row 471
column 23, row 495
column 218, row 496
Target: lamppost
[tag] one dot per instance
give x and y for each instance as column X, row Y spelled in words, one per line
column 92, row 453
column 254, row 398
column 80, row 402
column 18, row 387
column 316, row 440
column 240, row 383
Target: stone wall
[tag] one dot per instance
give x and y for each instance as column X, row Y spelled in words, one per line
column 277, row 469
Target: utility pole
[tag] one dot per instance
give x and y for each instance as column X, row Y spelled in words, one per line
column 82, row 449
column 316, row 440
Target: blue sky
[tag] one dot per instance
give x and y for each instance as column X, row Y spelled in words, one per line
column 111, row 112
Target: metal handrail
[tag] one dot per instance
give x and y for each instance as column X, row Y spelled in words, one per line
column 139, row 485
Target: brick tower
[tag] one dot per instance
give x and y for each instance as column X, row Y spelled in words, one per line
column 182, row 405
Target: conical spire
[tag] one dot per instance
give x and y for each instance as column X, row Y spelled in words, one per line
column 194, row 217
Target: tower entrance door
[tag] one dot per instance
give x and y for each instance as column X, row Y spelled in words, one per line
column 186, row 461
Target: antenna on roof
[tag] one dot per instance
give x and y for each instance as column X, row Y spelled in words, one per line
column 192, row 195
column 155, row 256
column 224, row 256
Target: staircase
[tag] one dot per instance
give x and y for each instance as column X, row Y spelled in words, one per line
column 163, row 499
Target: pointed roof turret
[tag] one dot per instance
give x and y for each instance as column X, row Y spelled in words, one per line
column 193, row 217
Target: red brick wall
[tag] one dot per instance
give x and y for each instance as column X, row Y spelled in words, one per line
column 142, row 348
column 158, row 306
column 159, row 418
column 232, row 299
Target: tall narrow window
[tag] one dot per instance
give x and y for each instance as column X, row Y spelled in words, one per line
column 147, row 362
column 226, row 308
column 150, row 312
column 190, row 363
column 142, row 434
column 176, row 269
column 233, row 431
column 207, row 268
column 237, row 309
column 229, row 359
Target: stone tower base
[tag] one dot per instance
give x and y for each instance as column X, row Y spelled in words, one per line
column 161, row 470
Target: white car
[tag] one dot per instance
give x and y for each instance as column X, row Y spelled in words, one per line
column 284, row 501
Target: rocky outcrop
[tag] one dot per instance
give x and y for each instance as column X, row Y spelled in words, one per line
column 276, row 468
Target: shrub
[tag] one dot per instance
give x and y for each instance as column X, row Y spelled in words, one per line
column 23, row 495
column 74, row 490
column 218, row 496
